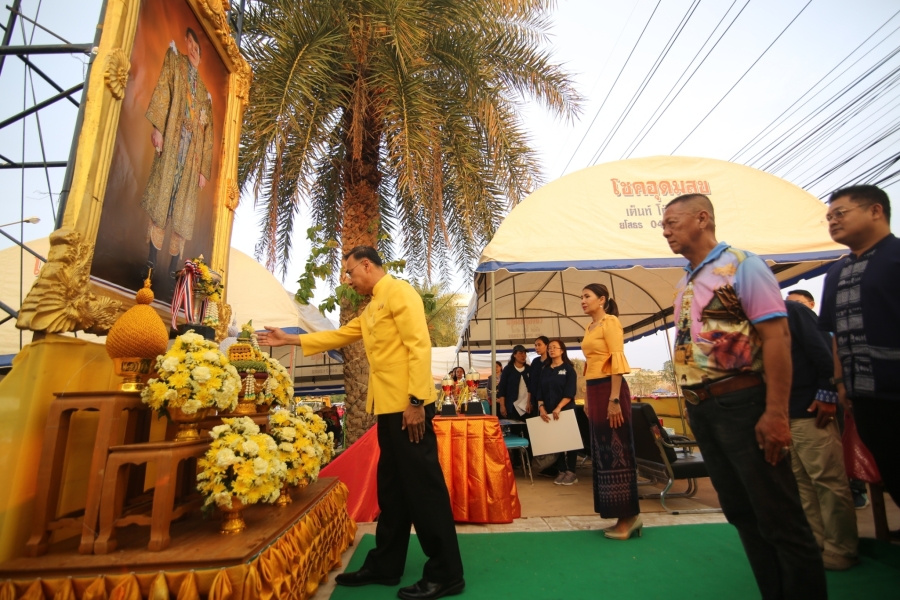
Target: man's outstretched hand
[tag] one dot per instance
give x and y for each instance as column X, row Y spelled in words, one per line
column 272, row 336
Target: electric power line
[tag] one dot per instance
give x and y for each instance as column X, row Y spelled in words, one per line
column 637, row 95
column 776, row 122
column 633, row 146
column 646, row 25
column 805, row 6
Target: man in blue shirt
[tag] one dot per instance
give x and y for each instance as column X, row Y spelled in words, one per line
column 817, row 455
column 861, row 306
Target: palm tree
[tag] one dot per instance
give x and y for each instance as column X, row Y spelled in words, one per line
column 397, row 122
column 443, row 312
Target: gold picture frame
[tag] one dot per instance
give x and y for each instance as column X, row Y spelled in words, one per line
column 63, row 298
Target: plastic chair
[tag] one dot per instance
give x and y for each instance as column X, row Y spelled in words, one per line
column 521, row 444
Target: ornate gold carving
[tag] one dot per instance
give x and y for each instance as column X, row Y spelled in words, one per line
column 116, row 73
column 60, row 299
column 215, row 11
column 224, row 321
column 233, row 195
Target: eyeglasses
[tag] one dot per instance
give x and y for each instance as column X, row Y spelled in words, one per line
column 838, row 214
column 349, row 272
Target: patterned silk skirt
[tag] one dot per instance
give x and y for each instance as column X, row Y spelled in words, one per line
column 612, row 453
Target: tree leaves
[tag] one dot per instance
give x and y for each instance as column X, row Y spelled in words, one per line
column 436, row 86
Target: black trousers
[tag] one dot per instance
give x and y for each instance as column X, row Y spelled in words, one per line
column 412, row 491
column 877, row 421
column 760, row 500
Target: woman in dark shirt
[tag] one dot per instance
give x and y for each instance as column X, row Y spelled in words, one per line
column 557, row 393
column 513, row 385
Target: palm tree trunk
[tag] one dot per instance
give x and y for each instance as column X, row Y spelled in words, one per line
column 361, row 179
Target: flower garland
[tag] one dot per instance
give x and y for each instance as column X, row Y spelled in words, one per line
column 193, row 374
column 241, row 462
column 279, row 385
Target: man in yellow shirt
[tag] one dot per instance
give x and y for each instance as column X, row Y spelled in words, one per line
column 411, row 488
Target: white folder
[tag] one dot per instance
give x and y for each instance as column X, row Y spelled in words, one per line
column 555, row 436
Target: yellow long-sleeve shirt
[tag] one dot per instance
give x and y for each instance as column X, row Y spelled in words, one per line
column 604, row 349
column 395, row 334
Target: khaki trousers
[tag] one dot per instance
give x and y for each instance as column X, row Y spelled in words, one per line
column 817, row 458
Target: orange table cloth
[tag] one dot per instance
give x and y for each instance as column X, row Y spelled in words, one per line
column 477, row 470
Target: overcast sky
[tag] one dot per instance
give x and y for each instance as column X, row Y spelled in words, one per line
column 593, row 39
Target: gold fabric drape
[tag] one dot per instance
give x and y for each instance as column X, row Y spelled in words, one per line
column 55, row 364
column 292, row 567
column 477, row 470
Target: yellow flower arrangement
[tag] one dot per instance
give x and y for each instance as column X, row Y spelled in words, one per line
column 290, row 435
column 279, row 385
column 316, row 445
column 193, row 374
column 242, row 463
column 206, row 286
column 305, row 445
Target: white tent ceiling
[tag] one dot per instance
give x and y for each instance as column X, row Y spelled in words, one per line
column 603, row 225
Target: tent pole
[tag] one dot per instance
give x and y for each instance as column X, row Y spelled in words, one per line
column 493, row 347
column 674, row 377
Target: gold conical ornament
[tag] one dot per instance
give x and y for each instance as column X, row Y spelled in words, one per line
column 136, row 339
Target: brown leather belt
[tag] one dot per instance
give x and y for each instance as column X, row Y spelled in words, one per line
column 702, row 392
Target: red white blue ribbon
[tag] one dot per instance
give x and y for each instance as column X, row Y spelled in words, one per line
column 184, row 293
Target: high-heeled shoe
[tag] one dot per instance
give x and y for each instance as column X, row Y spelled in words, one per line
column 636, row 527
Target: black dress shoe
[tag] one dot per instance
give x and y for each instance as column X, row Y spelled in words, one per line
column 364, row 577
column 425, row 590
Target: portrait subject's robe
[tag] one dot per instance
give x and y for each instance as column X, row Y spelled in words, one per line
column 181, row 109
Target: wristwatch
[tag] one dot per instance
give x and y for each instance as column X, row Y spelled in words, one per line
column 415, row 401
column 835, row 380
column 615, row 400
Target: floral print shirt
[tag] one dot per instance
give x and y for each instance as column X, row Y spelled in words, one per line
column 716, row 306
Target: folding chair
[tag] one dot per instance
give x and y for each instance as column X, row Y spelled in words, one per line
column 658, row 459
column 514, row 442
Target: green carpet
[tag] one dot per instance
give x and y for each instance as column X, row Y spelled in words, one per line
column 687, row 561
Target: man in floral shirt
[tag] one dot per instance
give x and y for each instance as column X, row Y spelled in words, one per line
column 733, row 361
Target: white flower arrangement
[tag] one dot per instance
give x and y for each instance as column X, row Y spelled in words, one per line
column 279, row 385
column 193, row 374
column 241, row 462
column 304, row 445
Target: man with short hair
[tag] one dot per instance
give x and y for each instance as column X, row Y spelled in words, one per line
column 817, row 456
column 803, row 297
column 857, row 488
column 411, row 487
column 861, row 307
column 731, row 328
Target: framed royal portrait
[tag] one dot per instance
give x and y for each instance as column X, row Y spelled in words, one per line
column 154, row 176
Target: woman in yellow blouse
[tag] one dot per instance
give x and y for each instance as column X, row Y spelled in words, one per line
column 609, row 410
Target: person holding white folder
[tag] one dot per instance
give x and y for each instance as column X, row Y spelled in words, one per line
column 558, row 384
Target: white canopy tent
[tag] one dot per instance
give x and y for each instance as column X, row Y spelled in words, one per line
column 603, row 224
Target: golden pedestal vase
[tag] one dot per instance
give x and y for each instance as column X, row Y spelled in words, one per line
column 134, row 371
column 233, row 518
column 188, row 424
